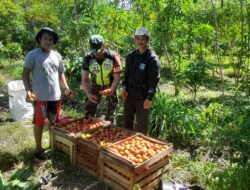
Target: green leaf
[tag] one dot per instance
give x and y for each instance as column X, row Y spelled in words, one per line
column 26, row 174
column 17, row 184
column 12, row 184
column 18, row 173
column 1, row 182
column 24, row 185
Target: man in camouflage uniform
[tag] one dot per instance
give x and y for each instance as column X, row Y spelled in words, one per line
column 104, row 67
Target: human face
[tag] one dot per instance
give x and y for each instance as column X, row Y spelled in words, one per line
column 46, row 41
column 141, row 42
column 100, row 53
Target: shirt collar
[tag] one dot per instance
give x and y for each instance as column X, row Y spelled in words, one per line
column 145, row 53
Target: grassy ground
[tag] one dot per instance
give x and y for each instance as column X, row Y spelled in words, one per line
column 17, row 148
column 193, row 168
column 17, row 151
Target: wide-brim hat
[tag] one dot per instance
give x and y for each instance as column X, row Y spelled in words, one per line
column 50, row 31
column 141, row 31
column 96, row 41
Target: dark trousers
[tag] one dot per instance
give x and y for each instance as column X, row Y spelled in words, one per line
column 134, row 107
column 111, row 102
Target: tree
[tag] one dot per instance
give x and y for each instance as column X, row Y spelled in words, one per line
column 193, row 74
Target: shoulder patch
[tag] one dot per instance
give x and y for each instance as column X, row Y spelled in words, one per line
column 109, row 54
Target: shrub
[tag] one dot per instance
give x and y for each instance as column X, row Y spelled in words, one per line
column 173, row 120
column 11, row 50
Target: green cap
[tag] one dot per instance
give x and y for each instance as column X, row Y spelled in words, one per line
column 96, row 41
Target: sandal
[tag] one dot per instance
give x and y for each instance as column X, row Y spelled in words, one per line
column 50, row 176
column 44, row 180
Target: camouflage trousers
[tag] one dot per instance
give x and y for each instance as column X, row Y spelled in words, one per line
column 111, row 102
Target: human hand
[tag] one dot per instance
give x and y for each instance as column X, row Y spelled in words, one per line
column 147, row 104
column 46, row 122
column 124, row 94
column 111, row 92
column 68, row 92
column 30, row 97
column 106, row 92
column 92, row 98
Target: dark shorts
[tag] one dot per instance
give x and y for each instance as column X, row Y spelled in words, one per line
column 46, row 109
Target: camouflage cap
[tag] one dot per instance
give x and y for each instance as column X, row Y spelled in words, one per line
column 96, row 41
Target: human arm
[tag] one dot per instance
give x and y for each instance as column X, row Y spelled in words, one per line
column 125, row 80
column 27, row 69
column 117, row 69
column 26, row 83
column 62, row 79
column 153, row 80
column 86, row 87
column 63, row 82
column 115, row 83
column 26, row 79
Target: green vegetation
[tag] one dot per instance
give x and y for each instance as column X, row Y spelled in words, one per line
column 18, row 180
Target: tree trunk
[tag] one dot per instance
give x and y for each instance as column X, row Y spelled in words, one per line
column 222, row 3
column 195, row 93
column 218, row 58
column 240, row 63
column 176, row 88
